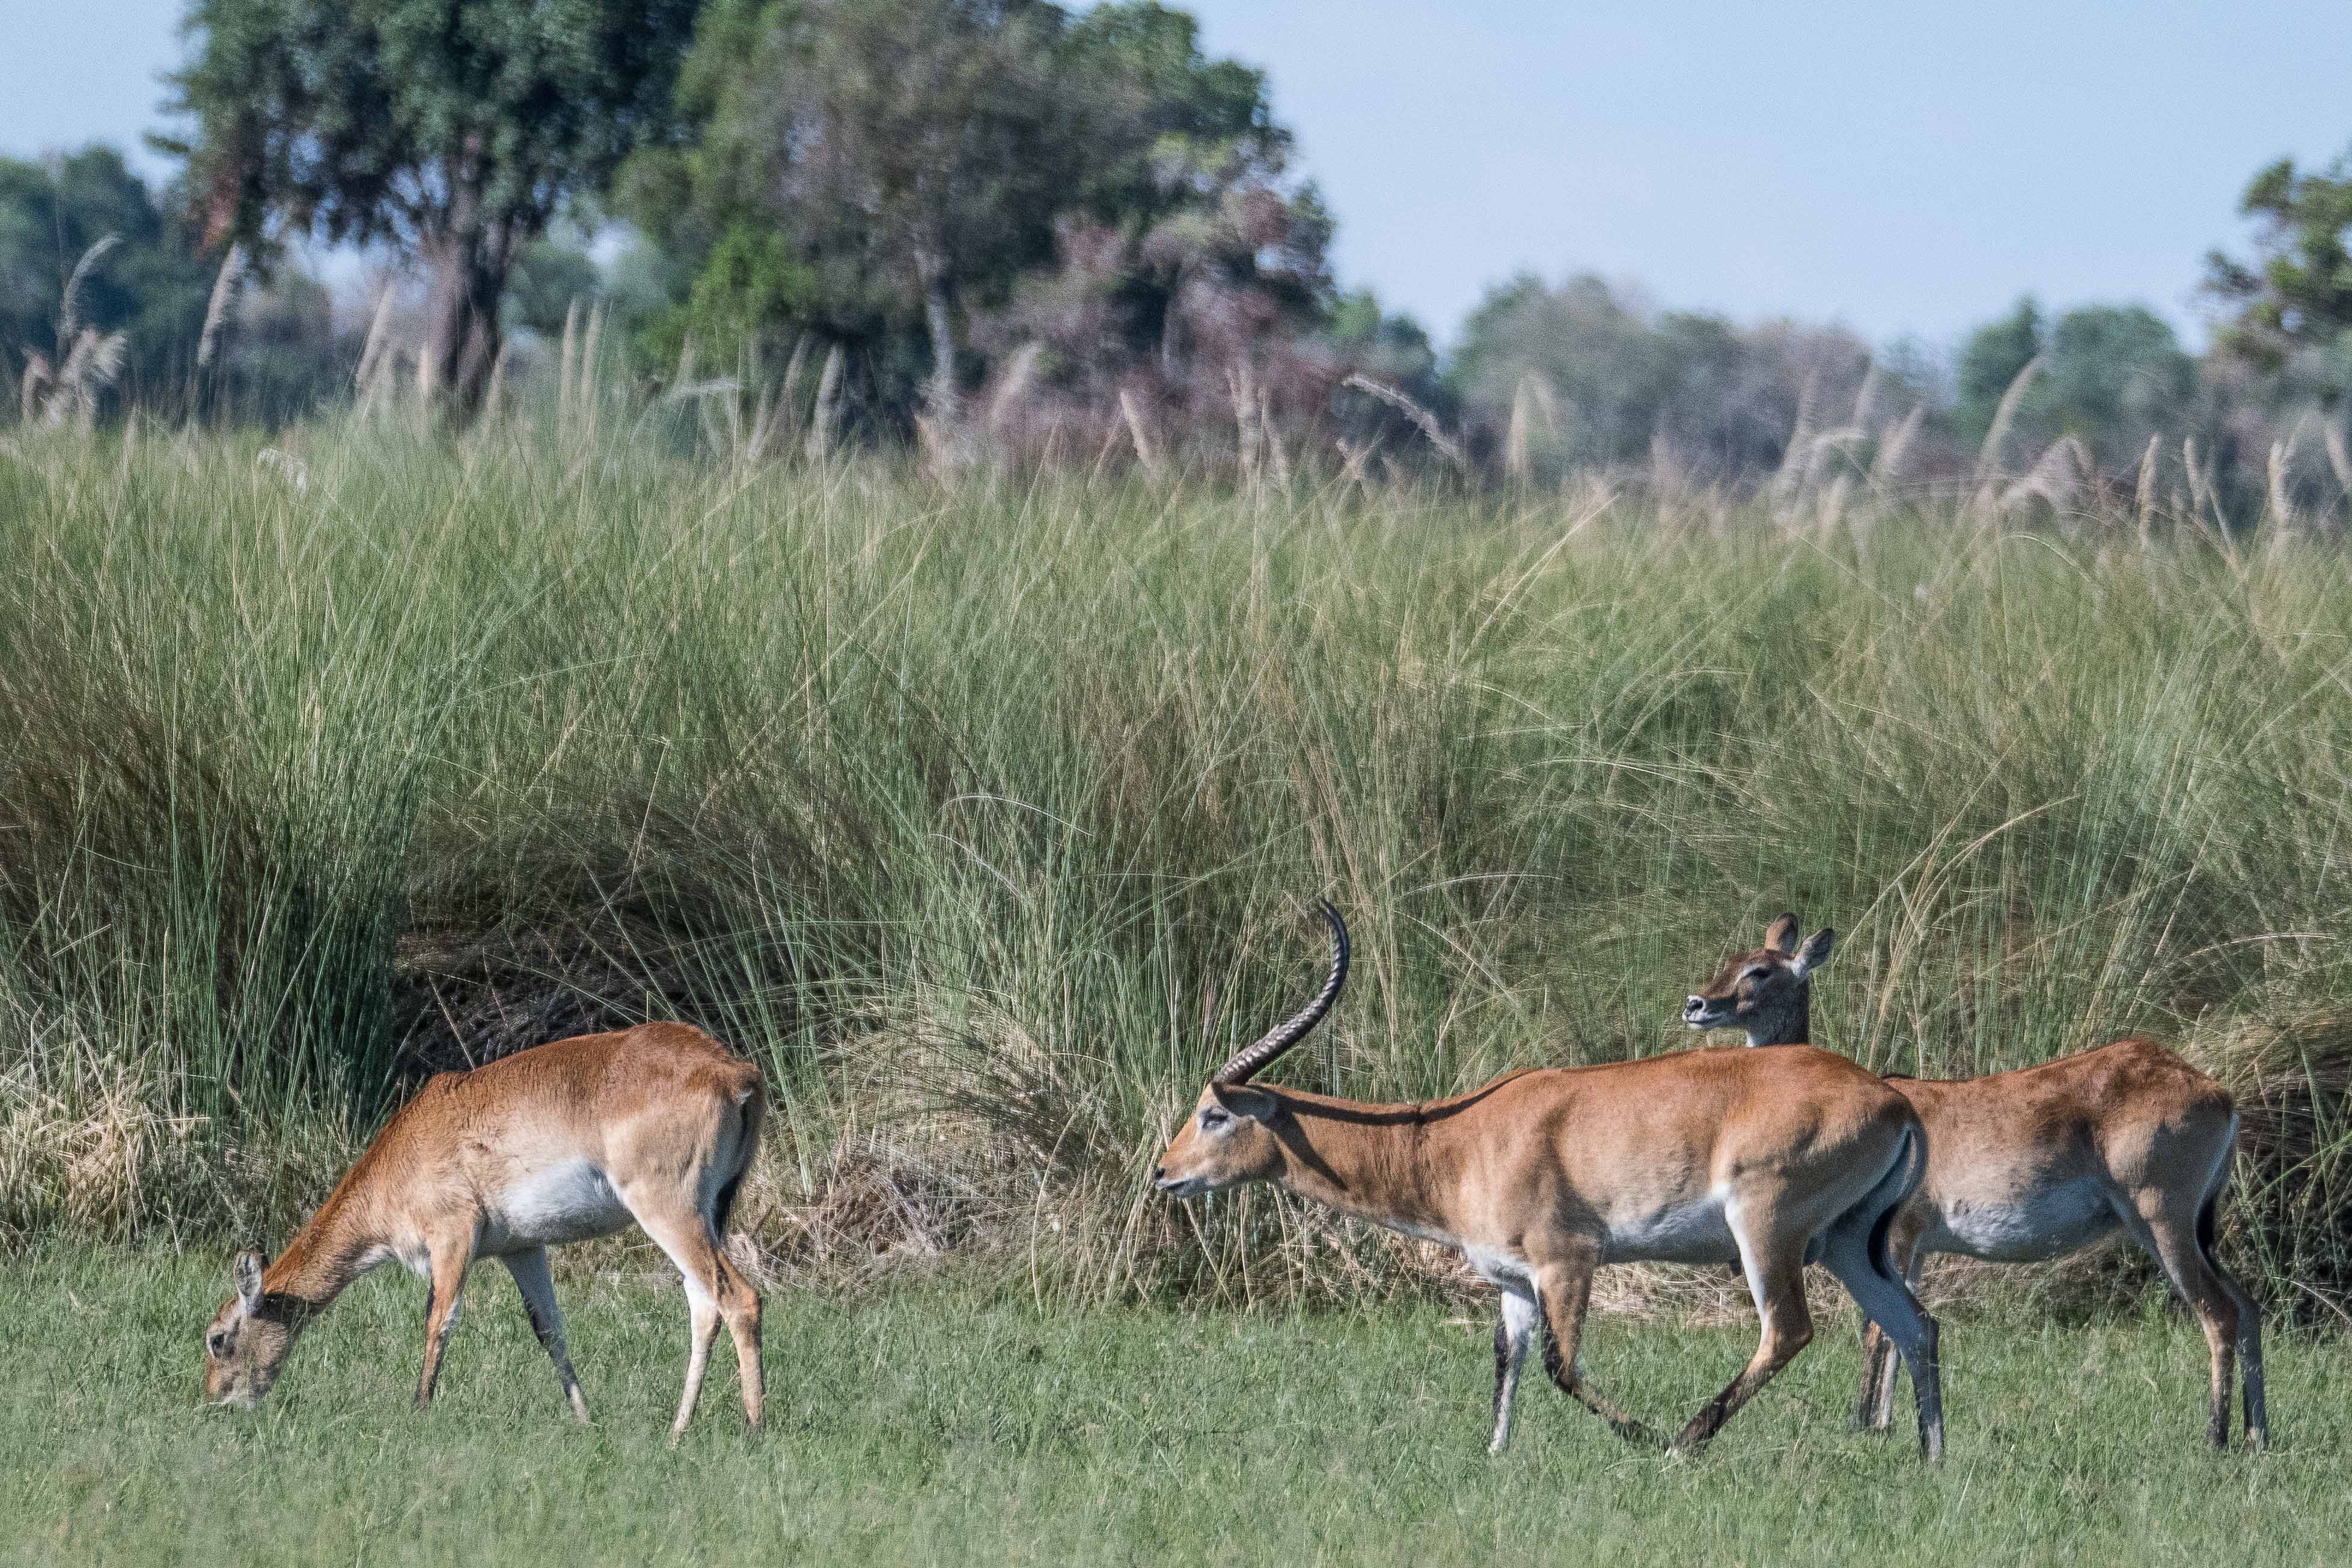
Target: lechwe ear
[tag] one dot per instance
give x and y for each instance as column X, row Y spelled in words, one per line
column 247, row 1269
column 1815, row 953
column 1780, row 937
column 1243, row 1101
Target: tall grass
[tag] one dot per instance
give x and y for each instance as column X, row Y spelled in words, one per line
column 981, row 813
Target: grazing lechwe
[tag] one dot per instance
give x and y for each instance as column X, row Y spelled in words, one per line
column 1543, row 1175
column 2033, row 1165
column 653, row 1126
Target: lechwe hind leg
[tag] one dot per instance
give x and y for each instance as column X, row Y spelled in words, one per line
column 2249, row 1328
column 1880, row 1368
column 1855, row 1250
column 1775, row 1268
column 2170, row 1237
column 1513, row 1330
column 715, row 1289
column 530, row 1278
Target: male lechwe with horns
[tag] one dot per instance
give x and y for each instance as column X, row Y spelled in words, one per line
column 2033, row 1165
column 655, row 1125
column 1542, row 1176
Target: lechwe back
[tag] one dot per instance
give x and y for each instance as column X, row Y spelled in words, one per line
column 580, row 1138
column 2033, row 1165
column 1543, row 1176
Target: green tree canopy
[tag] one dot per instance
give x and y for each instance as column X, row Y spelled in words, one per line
column 2109, row 375
column 1092, row 183
column 2292, row 305
column 457, row 131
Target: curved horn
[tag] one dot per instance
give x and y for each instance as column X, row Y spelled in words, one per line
column 1253, row 1059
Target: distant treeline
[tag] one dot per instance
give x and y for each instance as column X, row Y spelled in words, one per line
column 996, row 224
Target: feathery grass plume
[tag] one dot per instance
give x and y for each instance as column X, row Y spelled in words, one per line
column 1991, row 456
column 2144, row 491
column 1533, row 395
column 1012, row 385
column 588, row 403
column 54, row 391
column 70, row 298
column 33, row 389
column 1865, row 398
column 1895, row 450
column 1248, row 431
column 1136, row 433
column 2339, row 463
column 226, row 288
column 1423, row 419
column 2057, row 478
column 371, row 380
column 2281, row 513
column 825, row 417
column 1277, row 456
column 568, row 358
column 91, row 365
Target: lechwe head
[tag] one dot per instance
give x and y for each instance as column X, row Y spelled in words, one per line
column 1763, row 1160
column 1230, row 1138
column 1766, row 991
column 249, row 1338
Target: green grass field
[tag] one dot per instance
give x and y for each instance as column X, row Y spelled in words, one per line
column 927, row 1425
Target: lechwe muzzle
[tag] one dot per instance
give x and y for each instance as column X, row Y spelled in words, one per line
column 1761, row 1159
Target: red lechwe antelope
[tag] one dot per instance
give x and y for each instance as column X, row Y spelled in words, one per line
column 1544, row 1175
column 2036, row 1164
column 558, row 1143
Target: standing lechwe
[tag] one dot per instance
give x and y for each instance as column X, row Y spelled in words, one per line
column 1701, row 1156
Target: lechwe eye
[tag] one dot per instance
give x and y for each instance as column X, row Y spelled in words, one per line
column 216, row 1343
column 1212, row 1118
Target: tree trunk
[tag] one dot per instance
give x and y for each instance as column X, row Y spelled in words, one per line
column 940, row 316
column 468, row 258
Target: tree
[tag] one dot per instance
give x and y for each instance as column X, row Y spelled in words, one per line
column 1992, row 358
column 910, row 154
column 948, row 172
column 2295, row 300
column 454, row 131
column 2110, row 376
column 1587, row 374
column 2115, row 376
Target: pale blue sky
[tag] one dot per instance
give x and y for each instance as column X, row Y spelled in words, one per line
column 1899, row 166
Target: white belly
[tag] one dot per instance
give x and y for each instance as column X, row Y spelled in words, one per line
column 2048, row 1223
column 572, row 1201
column 1694, row 1232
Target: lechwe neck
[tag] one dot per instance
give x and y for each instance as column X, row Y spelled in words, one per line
column 1385, row 1163
column 1794, row 1026
column 334, row 1249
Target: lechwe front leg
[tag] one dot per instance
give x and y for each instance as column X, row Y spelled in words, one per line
column 451, row 1256
column 1565, row 1289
